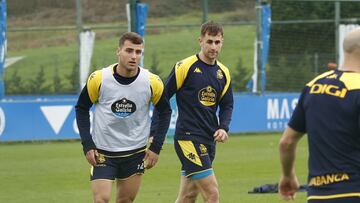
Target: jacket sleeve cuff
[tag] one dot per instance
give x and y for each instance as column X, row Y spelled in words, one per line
column 226, row 128
column 155, row 148
column 88, row 146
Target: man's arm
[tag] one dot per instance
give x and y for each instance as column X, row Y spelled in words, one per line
column 226, row 107
column 173, row 82
column 88, row 96
column 168, row 91
column 82, row 109
column 359, row 121
column 160, row 120
column 288, row 184
column 159, row 127
column 158, row 131
column 170, row 84
column 287, row 148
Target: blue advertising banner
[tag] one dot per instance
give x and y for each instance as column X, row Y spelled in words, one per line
column 262, row 113
column 37, row 120
column 54, row 118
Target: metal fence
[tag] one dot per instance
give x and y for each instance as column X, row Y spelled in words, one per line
column 45, row 38
column 304, row 39
column 44, row 51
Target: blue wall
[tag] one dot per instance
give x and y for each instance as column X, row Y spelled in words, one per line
column 262, row 113
column 53, row 118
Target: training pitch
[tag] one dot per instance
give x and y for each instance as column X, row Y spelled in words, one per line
column 58, row 172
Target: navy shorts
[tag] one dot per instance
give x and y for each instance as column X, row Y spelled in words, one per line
column 196, row 158
column 122, row 167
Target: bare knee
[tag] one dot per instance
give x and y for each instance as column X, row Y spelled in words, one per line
column 125, row 199
column 211, row 195
column 213, row 198
column 191, row 196
column 101, row 190
column 188, row 196
column 101, row 199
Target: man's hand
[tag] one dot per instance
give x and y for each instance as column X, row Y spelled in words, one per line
column 220, row 135
column 288, row 187
column 150, row 159
column 91, row 156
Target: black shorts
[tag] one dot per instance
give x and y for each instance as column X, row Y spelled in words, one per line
column 336, row 200
column 196, row 158
column 111, row 168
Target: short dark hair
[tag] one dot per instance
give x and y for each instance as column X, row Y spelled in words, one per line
column 211, row 28
column 132, row 37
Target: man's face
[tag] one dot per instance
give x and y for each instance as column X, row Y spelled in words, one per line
column 211, row 45
column 129, row 55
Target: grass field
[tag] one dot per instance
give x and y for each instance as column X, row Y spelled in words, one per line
column 58, row 172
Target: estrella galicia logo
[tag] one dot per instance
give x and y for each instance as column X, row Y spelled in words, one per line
column 123, row 108
column 207, row 96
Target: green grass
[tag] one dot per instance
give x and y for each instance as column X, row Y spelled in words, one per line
column 58, row 172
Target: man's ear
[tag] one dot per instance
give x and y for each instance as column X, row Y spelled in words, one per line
column 118, row 51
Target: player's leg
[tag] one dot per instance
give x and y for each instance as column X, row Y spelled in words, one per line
column 101, row 189
column 188, row 191
column 102, row 177
column 209, row 188
column 127, row 189
column 206, row 180
column 196, row 161
column 130, row 170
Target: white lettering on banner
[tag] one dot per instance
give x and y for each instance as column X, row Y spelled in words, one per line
column 272, row 109
column 174, row 115
column 2, row 53
column 2, row 121
column 75, row 126
column 294, row 103
column 56, row 115
column 285, row 113
column 276, row 125
column 151, row 113
column 278, row 113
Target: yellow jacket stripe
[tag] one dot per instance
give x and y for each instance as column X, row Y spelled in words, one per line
column 354, row 194
column 182, row 69
column 319, row 77
column 93, row 85
column 351, row 80
column 157, row 88
column 227, row 76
